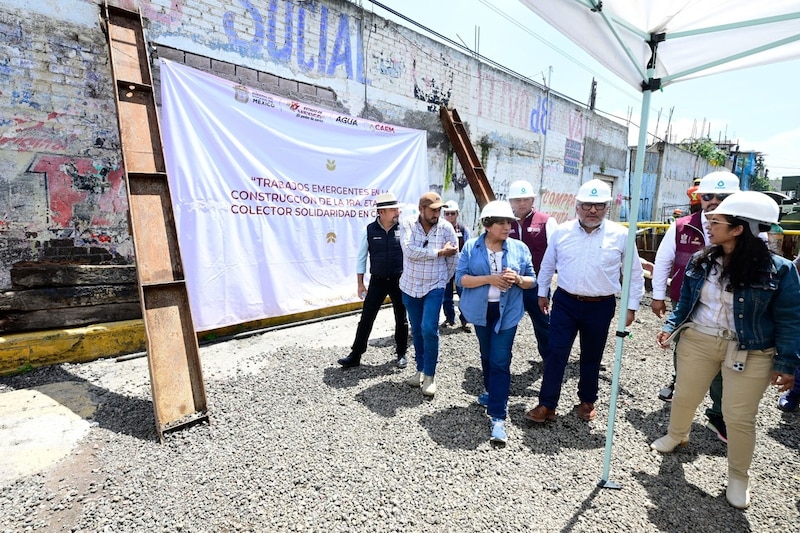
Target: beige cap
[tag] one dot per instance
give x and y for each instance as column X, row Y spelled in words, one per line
column 430, row 199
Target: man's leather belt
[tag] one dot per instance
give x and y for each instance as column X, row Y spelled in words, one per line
column 587, row 298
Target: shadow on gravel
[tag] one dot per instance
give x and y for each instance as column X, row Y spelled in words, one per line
column 676, row 505
column 567, row 431
column 788, row 432
column 653, row 425
column 587, row 505
column 458, row 427
column 112, row 411
column 402, row 396
column 343, row 378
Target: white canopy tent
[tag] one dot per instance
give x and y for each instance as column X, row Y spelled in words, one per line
column 653, row 43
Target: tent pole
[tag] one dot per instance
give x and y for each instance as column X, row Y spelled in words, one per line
column 630, row 256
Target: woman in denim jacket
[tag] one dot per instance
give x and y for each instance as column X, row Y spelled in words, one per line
column 738, row 311
column 492, row 271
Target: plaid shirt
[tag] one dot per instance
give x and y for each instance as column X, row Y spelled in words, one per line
column 423, row 270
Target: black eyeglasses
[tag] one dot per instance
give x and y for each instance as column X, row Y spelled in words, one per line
column 598, row 206
column 707, row 197
column 494, row 263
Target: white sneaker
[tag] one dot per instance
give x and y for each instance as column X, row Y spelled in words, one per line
column 415, row 380
column 428, row 385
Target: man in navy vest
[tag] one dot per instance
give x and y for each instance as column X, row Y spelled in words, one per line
column 683, row 238
column 533, row 228
column 382, row 240
column 450, row 211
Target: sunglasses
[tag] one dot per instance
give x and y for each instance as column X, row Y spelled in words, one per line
column 598, row 206
column 425, row 244
column 707, row 197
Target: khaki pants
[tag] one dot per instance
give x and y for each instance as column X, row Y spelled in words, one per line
column 700, row 357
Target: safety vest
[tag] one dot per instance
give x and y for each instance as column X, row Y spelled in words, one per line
column 534, row 234
column 689, row 237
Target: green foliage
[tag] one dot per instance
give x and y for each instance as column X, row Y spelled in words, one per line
column 758, row 180
column 23, row 369
column 707, row 149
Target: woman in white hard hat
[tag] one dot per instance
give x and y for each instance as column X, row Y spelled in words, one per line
column 739, row 313
column 492, row 272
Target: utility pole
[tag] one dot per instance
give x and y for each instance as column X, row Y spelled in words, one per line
column 544, row 132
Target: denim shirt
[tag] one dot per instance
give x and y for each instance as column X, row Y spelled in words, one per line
column 474, row 261
column 766, row 312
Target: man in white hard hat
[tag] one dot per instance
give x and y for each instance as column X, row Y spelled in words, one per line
column 588, row 252
column 534, row 229
column 450, row 211
column 429, row 261
column 683, row 238
column 381, row 240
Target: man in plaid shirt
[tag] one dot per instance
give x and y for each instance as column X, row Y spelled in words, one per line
column 429, row 261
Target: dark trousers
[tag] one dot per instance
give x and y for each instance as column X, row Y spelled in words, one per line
column 448, row 305
column 568, row 318
column 541, row 321
column 378, row 290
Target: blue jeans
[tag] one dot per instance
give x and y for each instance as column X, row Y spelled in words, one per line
column 496, row 361
column 423, row 314
column 568, row 318
column 540, row 321
column 448, row 306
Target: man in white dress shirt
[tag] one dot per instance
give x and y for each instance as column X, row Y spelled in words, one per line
column 588, row 252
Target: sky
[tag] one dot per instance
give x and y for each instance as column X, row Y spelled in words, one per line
column 758, row 108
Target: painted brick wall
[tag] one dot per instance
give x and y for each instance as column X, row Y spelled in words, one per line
column 60, row 174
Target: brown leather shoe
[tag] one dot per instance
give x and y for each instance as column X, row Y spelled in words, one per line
column 541, row 414
column 586, row 411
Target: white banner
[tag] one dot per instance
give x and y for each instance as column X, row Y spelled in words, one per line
column 271, row 195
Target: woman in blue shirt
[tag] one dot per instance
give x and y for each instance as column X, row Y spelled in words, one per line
column 492, row 272
column 738, row 313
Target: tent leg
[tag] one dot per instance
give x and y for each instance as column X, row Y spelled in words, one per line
column 630, row 249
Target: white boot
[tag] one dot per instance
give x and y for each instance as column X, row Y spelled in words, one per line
column 428, row 385
column 667, row 444
column 415, row 380
column 738, row 491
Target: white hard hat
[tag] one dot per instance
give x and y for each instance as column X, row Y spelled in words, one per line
column 752, row 206
column 719, row 182
column 450, row 205
column 498, row 209
column 521, row 189
column 594, row 191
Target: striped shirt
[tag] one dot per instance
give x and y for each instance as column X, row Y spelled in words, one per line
column 590, row 264
column 423, row 269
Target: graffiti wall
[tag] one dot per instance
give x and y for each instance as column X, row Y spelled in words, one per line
column 59, row 151
column 60, row 171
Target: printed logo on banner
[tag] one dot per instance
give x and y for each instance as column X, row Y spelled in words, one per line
column 263, row 99
column 385, row 128
column 350, row 121
column 241, row 94
column 331, row 164
column 331, row 237
column 306, row 112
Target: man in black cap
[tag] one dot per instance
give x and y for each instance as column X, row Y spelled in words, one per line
column 381, row 239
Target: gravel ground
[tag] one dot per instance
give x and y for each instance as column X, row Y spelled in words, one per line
column 298, row 444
